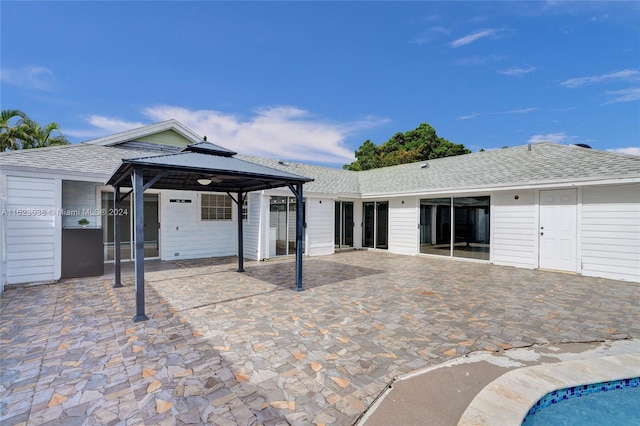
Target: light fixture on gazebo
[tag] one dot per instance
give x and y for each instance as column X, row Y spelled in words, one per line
column 207, row 181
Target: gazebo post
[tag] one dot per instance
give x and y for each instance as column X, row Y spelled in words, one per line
column 138, row 205
column 299, row 226
column 240, row 202
column 116, row 237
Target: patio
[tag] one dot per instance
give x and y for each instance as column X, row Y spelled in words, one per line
column 227, row 348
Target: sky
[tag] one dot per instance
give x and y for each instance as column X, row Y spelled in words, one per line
column 311, row 81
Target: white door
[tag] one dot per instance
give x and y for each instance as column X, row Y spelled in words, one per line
column 558, row 230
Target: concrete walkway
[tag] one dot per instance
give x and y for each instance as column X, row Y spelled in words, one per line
column 227, row 348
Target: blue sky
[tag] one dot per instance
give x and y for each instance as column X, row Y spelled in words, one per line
column 311, row 81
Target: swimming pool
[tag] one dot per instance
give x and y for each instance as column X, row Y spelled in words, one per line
column 607, row 403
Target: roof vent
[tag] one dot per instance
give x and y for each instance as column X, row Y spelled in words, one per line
column 282, row 163
column 583, row 145
column 424, row 165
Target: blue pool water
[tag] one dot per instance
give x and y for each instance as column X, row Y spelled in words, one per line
column 610, row 403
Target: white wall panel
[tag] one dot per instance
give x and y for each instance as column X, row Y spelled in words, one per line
column 610, row 246
column 32, row 233
column 514, row 233
column 320, row 226
column 185, row 236
column 403, row 225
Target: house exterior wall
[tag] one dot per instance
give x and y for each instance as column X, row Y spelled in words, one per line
column 610, row 243
column 319, row 232
column 251, row 227
column 514, row 228
column 184, row 236
column 32, row 233
column 403, row 225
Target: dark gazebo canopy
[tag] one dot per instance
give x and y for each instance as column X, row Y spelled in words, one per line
column 202, row 166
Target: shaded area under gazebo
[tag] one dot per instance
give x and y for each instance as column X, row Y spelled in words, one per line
column 202, row 166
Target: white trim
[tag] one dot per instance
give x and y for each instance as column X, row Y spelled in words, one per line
column 57, row 240
column 558, row 184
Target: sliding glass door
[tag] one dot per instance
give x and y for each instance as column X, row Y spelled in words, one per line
column 343, row 225
column 282, row 226
column 375, row 229
column 435, row 226
column 151, row 227
column 472, row 227
column 461, row 232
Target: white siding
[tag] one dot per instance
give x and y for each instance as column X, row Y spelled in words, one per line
column 251, row 227
column 514, row 234
column 185, row 236
column 403, row 225
column 33, row 238
column 3, row 246
column 611, row 232
column 320, row 226
column 78, row 196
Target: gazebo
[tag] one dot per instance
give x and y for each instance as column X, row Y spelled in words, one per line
column 201, row 166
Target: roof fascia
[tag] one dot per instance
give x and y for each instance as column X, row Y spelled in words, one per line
column 146, row 131
column 54, row 173
column 487, row 189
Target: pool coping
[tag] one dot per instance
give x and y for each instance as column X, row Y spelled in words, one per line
column 507, row 399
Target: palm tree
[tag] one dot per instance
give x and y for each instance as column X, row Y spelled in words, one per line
column 9, row 132
column 33, row 135
column 26, row 133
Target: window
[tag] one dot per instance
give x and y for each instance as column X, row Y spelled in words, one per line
column 215, row 207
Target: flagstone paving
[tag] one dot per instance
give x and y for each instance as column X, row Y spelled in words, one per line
column 230, row 348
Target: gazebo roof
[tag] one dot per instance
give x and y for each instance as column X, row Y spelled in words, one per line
column 204, row 160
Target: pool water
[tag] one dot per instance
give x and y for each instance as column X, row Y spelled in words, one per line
column 611, row 403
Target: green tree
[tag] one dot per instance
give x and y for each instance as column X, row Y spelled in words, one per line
column 419, row 144
column 8, row 131
column 26, row 133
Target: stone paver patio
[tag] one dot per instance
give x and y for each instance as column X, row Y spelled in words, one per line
column 226, row 348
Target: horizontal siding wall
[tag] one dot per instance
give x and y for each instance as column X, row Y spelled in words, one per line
column 78, row 197
column 251, row 227
column 514, row 234
column 403, row 225
column 611, row 232
column 184, row 236
column 32, row 239
column 320, row 226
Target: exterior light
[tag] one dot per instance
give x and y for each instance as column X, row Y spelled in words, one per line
column 204, row 182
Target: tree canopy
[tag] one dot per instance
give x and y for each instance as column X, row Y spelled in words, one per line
column 18, row 131
column 419, row 144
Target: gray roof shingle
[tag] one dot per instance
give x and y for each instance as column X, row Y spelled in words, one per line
column 517, row 166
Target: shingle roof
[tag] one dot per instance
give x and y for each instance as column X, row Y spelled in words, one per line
column 326, row 179
column 78, row 158
column 544, row 163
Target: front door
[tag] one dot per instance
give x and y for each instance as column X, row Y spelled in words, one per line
column 558, row 230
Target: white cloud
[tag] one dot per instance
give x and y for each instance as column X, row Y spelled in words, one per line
column 513, row 111
column 624, row 75
column 103, row 126
column 468, row 39
column 429, row 35
column 625, row 95
column 33, row 77
column 549, row 137
column 517, row 71
column 278, row 131
column 632, row 150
